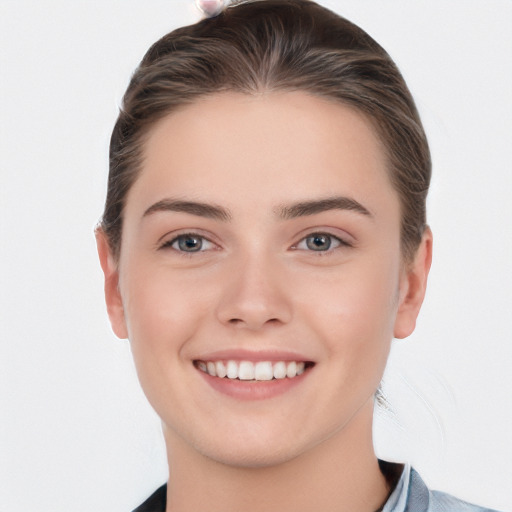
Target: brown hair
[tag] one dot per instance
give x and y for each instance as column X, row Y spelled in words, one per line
column 274, row 45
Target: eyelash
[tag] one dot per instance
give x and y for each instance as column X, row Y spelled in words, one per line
column 184, row 236
column 338, row 243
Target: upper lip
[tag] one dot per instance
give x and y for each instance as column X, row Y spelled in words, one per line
column 252, row 355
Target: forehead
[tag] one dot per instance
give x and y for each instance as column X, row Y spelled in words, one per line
column 272, row 147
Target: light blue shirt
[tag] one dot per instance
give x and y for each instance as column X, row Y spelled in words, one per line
column 412, row 495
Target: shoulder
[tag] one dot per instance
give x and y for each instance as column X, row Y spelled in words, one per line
column 156, row 502
column 442, row 502
column 420, row 498
column 410, row 495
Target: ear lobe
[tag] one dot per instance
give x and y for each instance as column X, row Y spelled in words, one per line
column 113, row 299
column 413, row 285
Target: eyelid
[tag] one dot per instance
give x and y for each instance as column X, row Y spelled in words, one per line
column 343, row 241
column 169, row 239
column 335, row 243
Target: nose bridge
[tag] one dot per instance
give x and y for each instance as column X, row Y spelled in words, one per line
column 254, row 293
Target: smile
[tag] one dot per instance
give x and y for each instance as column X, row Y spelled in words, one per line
column 253, row 371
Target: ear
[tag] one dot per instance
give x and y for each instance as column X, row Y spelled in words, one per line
column 413, row 284
column 113, row 299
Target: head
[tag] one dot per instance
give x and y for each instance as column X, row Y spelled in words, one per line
column 266, row 202
column 274, row 45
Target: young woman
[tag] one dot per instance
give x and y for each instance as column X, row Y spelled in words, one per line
column 264, row 238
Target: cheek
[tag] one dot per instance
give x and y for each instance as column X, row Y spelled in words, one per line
column 161, row 313
column 161, row 318
column 356, row 313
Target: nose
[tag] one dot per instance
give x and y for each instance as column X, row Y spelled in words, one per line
column 254, row 295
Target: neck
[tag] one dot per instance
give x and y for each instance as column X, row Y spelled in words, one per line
column 339, row 474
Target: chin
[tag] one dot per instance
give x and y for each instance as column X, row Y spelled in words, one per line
column 252, row 457
column 249, row 448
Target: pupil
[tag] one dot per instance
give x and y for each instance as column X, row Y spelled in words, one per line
column 319, row 242
column 190, row 244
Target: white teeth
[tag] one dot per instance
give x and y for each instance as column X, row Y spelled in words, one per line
column 291, row 369
column 247, row 370
column 220, row 369
column 232, row 370
column 211, row 368
column 280, row 370
column 263, row 371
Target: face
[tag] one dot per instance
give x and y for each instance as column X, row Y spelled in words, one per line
column 261, row 240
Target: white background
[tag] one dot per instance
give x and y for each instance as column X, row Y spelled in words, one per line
column 76, row 434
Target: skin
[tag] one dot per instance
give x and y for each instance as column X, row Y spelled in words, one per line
column 256, row 284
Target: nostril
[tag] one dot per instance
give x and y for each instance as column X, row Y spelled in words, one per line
column 239, row 321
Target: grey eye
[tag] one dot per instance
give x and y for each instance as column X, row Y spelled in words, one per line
column 188, row 243
column 319, row 242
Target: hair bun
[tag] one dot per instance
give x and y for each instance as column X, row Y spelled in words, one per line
column 212, row 7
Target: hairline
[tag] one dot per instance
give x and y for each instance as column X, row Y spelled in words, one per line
column 141, row 140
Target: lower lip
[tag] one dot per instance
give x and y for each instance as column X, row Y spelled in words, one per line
column 253, row 390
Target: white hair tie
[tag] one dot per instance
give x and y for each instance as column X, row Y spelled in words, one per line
column 212, row 7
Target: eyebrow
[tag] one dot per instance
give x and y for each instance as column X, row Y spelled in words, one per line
column 300, row 209
column 207, row 210
column 305, row 208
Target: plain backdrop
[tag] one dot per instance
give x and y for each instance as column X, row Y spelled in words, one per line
column 76, row 434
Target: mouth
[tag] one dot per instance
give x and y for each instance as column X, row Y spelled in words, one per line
column 251, row 371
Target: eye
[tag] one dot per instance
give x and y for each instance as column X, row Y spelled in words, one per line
column 320, row 242
column 189, row 242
